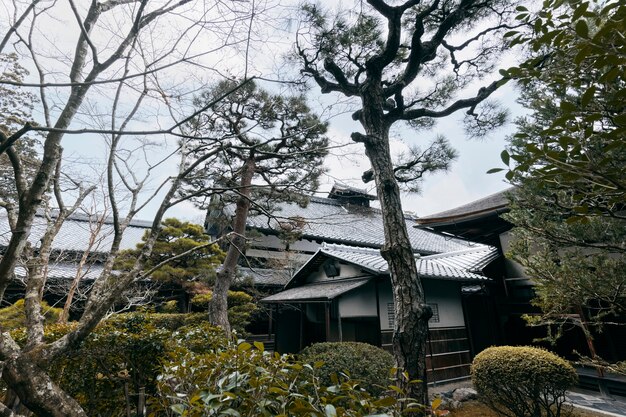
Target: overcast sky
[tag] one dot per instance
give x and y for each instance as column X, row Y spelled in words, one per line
column 466, row 181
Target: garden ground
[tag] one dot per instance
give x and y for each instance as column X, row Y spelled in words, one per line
column 588, row 403
column 477, row 409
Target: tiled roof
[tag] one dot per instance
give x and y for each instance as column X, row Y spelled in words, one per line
column 265, row 277
column 75, row 232
column 327, row 220
column 461, row 265
column 343, row 189
column 66, row 271
column 456, row 266
column 319, row 291
column 484, row 205
column 473, row 259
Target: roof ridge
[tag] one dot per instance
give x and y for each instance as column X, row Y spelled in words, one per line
column 82, row 217
column 479, row 248
column 347, row 248
column 334, row 281
column 446, row 213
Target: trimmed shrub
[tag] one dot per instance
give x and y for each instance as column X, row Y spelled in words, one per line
column 360, row 361
column 522, row 381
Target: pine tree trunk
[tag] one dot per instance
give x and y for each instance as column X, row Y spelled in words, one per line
column 218, row 306
column 411, row 311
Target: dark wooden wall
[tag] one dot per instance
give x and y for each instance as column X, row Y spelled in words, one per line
column 448, row 356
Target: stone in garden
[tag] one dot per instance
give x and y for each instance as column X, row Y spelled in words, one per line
column 464, row 394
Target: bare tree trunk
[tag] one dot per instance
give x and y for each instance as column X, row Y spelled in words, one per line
column 36, row 389
column 218, row 306
column 411, row 311
column 93, row 236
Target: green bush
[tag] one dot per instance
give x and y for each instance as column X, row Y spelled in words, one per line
column 198, row 338
column 13, row 316
column 115, row 369
column 241, row 306
column 244, row 380
column 360, row 361
column 522, row 381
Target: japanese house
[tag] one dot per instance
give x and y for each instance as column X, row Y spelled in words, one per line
column 343, row 293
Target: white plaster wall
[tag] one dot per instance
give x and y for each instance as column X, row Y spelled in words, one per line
column 446, row 294
column 345, row 271
column 385, row 296
column 274, row 242
column 359, row 303
column 513, row 269
column 293, row 256
column 305, row 245
column 268, row 241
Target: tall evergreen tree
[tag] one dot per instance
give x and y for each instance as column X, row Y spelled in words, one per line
column 409, row 63
column 568, row 160
column 277, row 147
column 575, row 84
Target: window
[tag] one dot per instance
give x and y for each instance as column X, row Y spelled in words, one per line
column 391, row 314
column 435, row 317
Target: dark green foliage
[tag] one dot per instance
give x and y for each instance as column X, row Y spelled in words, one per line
column 16, row 106
column 199, row 338
column 118, row 364
column 575, row 266
column 176, row 238
column 368, row 364
column 244, row 380
column 180, row 365
column 277, row 135
column 241, row 307
column 13, row 316
column 522, row 381
column 568, row 161
column 574, row 82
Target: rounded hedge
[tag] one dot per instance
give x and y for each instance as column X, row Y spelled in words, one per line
column 522, row 380
column 363, row 362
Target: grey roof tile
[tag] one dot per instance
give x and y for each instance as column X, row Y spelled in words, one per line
column 75, row 233
column 485, row 204
column 266, row 276
column 459, row 265
column 321, row 291
column 66, row 270
column 327, row 220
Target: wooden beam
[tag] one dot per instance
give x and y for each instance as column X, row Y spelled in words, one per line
column 302, row 307
column 327, row 310
column 339, row 325
column 380, row 329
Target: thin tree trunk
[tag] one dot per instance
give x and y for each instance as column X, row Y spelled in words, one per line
column 218, row 306
column 36, row 389
column 411, row 311
column 79, row 273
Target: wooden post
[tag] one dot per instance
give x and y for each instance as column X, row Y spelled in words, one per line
column 271, row 324
column 468, row 330
column 339, row 325
column 327, row 308
column 380, row 331
column 302, row 307
column 604, row 392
